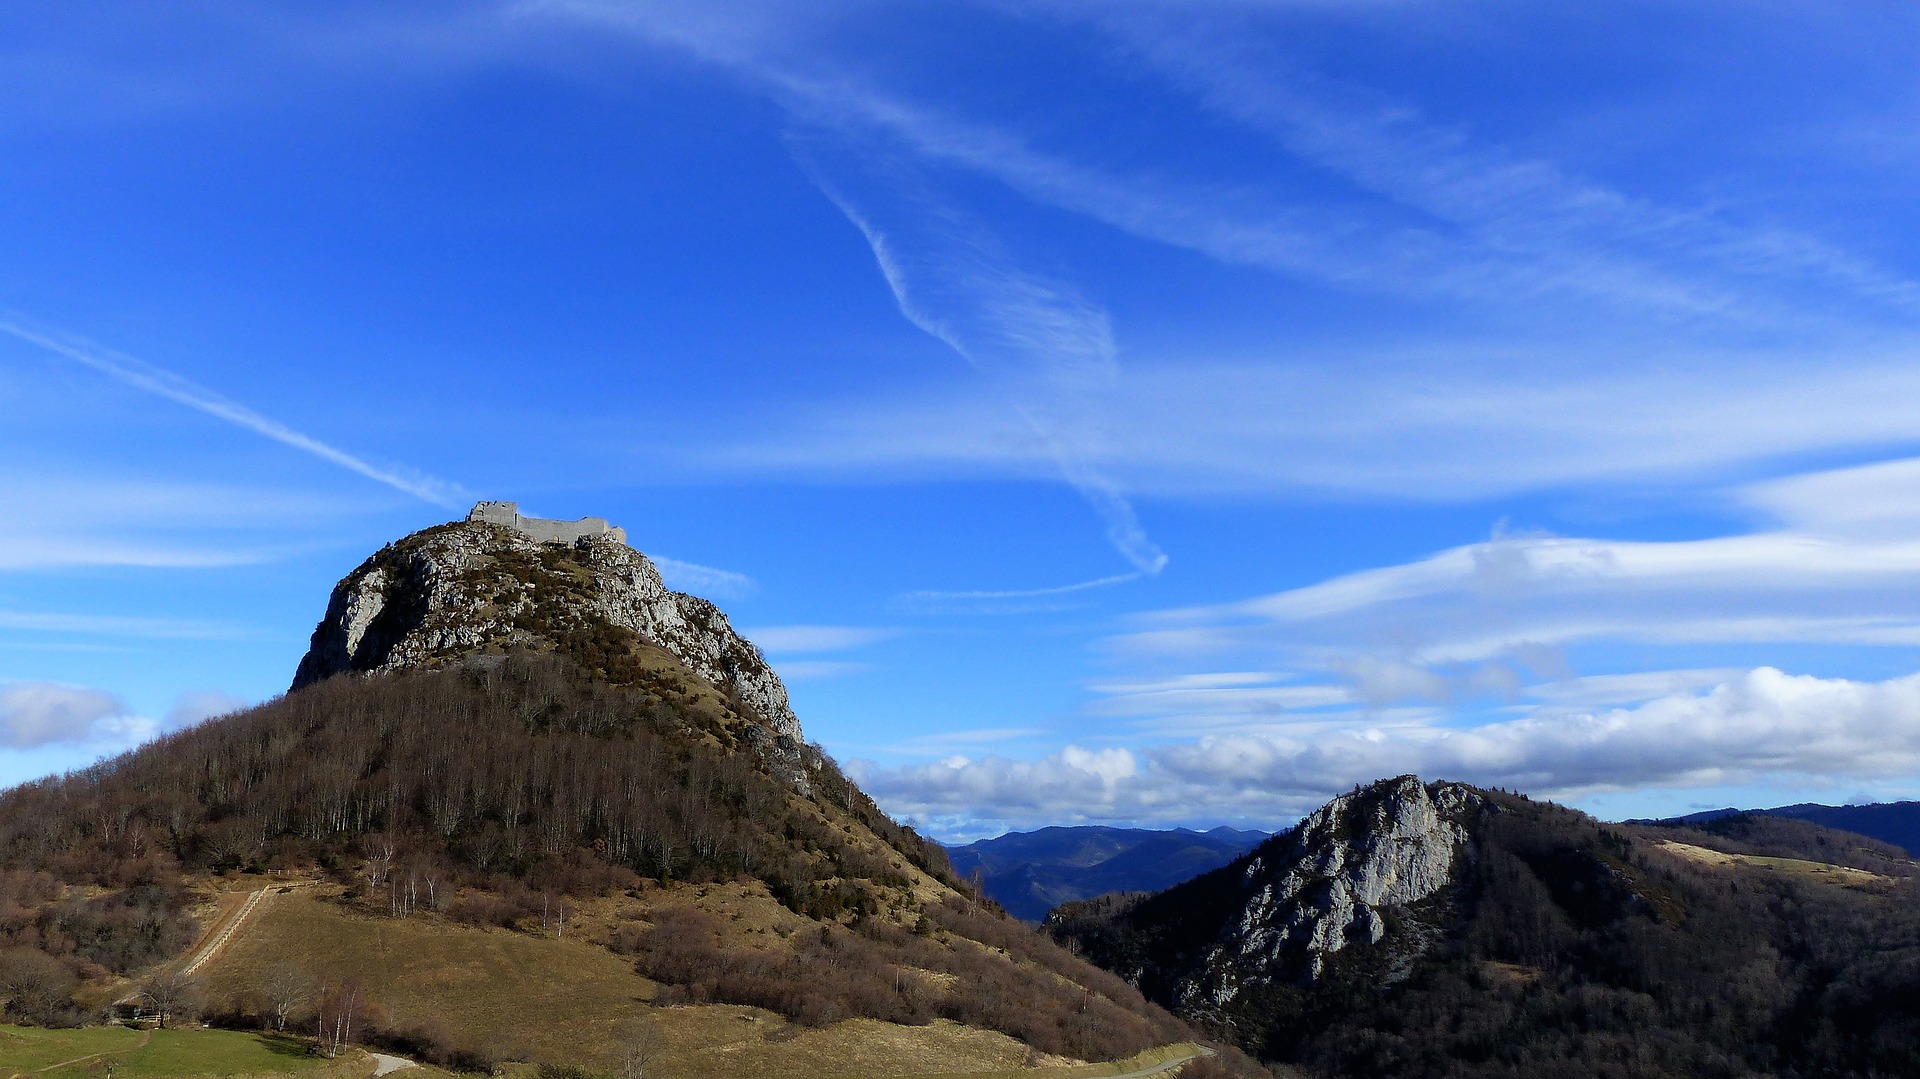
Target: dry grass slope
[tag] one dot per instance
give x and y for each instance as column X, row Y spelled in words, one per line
column 565, row 1001
column 1822, row 871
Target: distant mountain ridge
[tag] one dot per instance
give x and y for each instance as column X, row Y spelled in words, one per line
column 1030, row 873
column 1897, row 823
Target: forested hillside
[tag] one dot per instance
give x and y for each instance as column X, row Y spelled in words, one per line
column 1895, row 823
column 495, row 795
column 1559, row 946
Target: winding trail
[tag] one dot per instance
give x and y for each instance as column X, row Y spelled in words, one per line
column 384, row 1064
column 1167, row 1066
column 145, row 1037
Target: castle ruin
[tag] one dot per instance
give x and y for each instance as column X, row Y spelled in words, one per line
column 507, row 515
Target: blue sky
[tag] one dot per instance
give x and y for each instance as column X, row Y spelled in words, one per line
column 1154, row 412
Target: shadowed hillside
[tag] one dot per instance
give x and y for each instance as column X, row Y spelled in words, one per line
column 1442, row 931
column 1895, row 823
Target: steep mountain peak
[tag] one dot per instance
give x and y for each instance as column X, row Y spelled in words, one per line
column 1338, row 878
column 497, row 582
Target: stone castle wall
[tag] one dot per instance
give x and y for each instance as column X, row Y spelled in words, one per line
column 507, row 514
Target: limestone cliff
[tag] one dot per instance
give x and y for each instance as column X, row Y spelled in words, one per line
column 463, row 591
column 1350, row 868
column 1349, row 887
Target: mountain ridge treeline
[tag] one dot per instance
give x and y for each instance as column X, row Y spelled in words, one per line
column 514, row 769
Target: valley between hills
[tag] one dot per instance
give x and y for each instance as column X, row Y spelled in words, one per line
column 525, row 811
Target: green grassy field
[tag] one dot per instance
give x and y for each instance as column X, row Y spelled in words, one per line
column 25, row 1049
column 161, row 1053
column 180, row 1054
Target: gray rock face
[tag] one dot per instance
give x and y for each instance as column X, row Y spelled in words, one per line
column 445, row 594
column 1342, row 878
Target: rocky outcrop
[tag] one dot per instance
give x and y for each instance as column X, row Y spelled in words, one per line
column 466, row 590
column 1359, row 889
column 1346, row 874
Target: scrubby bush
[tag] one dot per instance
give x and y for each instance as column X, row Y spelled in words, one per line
column 991, row 972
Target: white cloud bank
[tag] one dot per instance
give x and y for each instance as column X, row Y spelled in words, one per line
column 1841, row 570
column 1300, row 694
column 1763, row 724
column 41, row 714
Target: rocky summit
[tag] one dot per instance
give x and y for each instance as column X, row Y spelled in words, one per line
column 471, row 591
column 1362, row 882
column 1354, row 864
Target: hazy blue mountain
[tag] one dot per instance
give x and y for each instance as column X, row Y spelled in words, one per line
column 1030, row 873
column 1897, row 823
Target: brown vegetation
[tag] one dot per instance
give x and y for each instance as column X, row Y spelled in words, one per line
column 976, row 969
column 522, row 776
column 522, row 797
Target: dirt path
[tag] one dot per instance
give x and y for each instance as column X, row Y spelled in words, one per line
column 383, row 1064
column 145, row 1037
column 1165, row 1066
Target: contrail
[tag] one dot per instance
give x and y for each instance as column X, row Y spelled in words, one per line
column 1051, row 350
column 155, row 380
column 1025, row 593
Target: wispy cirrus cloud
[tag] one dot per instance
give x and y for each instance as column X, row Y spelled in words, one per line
column 98, row 625
column 73, row 519
column 1539, row 225
column 1555, row 387
column 816, row 638
column 1428, row 427
column 1488, row 221
column 704, row 580
column 1006, row 600
column 1047, row 350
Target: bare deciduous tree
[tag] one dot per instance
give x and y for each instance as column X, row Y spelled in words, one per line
column 171, row 996
column 34, row 984
column 639, row 1048
column 287, row 988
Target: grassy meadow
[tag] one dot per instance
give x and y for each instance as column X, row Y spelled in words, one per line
column 564, row 1001
column 87, row 1052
